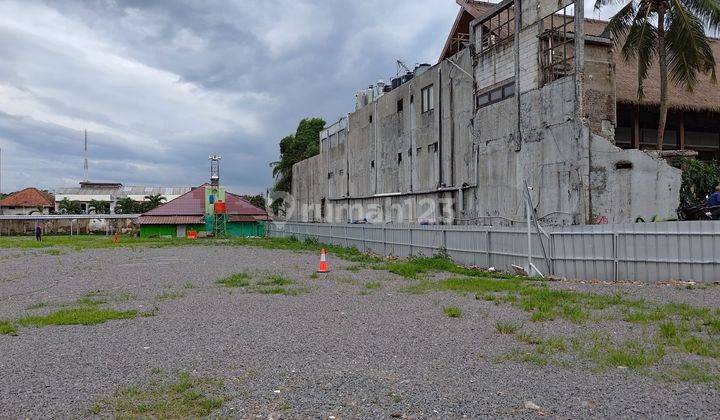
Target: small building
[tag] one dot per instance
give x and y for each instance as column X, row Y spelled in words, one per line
column 113, row 191
column 191, row 212
column 27, row 201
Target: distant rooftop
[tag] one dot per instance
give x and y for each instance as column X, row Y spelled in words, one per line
column 116, row 188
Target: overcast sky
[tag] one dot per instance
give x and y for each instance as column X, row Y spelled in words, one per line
column 160, row 85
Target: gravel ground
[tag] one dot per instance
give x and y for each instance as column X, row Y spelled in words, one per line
column 337, row 350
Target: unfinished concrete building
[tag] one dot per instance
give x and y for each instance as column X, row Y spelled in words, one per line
column 522, row 104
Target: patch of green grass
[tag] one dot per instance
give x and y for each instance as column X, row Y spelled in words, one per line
column 187, row 396
column 189, row 285
column 488, row 297
column 275, row 280
column 414, row 266
column 236, row 280
column 96, row 293
column 668, row 330
column 355, row 268
column 314, row 276
column 452, row 311
column 169, row 296
column 54, row 252
column 279, row 290
column 7, row 328
column 631, row 354
column 87, row 301
column 507, row 327
column 38, row 305
column 85, row 315
column 373, row 285
column 697, row 374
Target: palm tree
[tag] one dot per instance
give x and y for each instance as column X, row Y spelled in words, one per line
column 674, row 30
column 153, row 201
column 69, row 207
column 126, row 205
column 38, row 209
column 99, row 206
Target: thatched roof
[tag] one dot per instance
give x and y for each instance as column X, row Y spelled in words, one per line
column 705, row 96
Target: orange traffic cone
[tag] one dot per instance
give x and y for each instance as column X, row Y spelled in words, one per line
column 323, row 268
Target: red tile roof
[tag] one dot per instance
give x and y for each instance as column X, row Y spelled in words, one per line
column 192, row 203
column 29, row 197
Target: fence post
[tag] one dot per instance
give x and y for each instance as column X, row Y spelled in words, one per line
column 384, row 241
column 346, row 238
column 616, row 261
column 488, row 244
column 444, row 241
column 410, row 242
column 363, row 239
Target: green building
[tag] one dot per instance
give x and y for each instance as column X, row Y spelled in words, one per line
column 205, row 210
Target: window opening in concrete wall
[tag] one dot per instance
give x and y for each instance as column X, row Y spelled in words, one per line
column 432, row 148
column 418, row 150
column 557, row 45
column 428, row 103
column 330, row 175
column 495, row 95
column 399, row 158
column 412, row 99
column 370, row 119
column 322, row 208
column 400, row 106
column 498, row 28
column 372, row 163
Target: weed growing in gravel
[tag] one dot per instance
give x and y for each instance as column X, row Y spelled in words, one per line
column 236, row 280
column 86, row 315
column 187, row 396
column 507, row 327
column 189, row 285
column 38, row 305
column 697, row 374
column 452, row 311
column 169, row 296
column 373, row 285
column 414, row 266
column 54, row 252
column 275, row 280
column 314, row 276
column 7, row 328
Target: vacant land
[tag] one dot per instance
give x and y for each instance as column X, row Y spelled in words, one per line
column 246, row 328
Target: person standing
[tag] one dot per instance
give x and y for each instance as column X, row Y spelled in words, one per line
column 714, row 203
column 38, row 233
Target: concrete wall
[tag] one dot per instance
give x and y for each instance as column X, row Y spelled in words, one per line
column 14, row 211
column 64, row 226
column 466, row 165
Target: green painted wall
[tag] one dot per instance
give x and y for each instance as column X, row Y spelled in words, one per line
column 236, row 229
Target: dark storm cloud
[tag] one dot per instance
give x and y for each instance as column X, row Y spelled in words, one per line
column 160, row 85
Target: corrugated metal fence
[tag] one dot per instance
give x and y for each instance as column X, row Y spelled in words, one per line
column 648, row 252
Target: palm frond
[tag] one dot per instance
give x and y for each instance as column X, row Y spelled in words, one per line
column 641, row 44
column 621, row 21
column 689, row 50
column 599, row 4
column 708, row 11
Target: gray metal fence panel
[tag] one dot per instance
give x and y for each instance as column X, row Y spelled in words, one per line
column 638, row 252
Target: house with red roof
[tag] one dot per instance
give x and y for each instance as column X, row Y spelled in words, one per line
column 195, row 211
column 27, row 201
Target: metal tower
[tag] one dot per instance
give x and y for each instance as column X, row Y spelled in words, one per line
column 219, row 213
column 215, row 170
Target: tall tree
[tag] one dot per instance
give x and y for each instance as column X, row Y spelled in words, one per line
column 305, row 143
column 256, row 200
column 672, row 30
column 153, row 201
column 69, row 207
column 99, row 207
column 126, row 205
